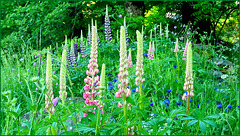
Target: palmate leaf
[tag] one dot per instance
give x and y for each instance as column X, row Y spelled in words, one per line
column 202, row 126
column 210, row 122
column 192, row 122
column 85, row 128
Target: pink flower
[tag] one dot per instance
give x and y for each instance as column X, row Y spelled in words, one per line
column 86, row 87
column 94, row 112
column 87, row 101
column 119, row 105
column 120, row 16
column 176, row 46
column 86, row 95
column 101, row 111
column 85, row 115
column 55, row 101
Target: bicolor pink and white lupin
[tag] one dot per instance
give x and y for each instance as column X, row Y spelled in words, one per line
column 185, row 51
column 150, row 52
column 176, row 46
column 130, row 59
column 92, row 79
column 123, row 68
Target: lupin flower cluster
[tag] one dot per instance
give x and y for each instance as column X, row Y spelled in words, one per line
column 130, row 59
column 123, row 68
column 108, row 33
column 63, row 72
column 185, row 51
column 89, row 37
column 126, row 32
column 92, row 79
column 176, row 46
column 150, row 52
column 76, row 48
column 188, row 85
column 82, row 47
column 72, row 55
column 49, row 96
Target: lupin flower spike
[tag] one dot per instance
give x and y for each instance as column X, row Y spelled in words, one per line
column 76, row 48
column 139, row 66
column 89, row 38
column 176, row 46
column 82, row 47
column 92, row 79
column 130, row 59
column 72, row 55
column 126, row 32
column 185, row 51
column 150, row 53
column 63, row 69
column 108, row 33
column 123, row 72
column 49, row 96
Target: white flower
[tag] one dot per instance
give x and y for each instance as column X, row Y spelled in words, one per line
column 224, row 76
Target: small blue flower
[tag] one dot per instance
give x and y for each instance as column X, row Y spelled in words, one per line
column 215, row 88
column 230, row 106
column 115, row 80
column 109, row 74
column 169, row 91
column 151, row 104
column 191, row 99
column 176, row 118
column 205, row 91
column 178, row 103
column 176, row 80
column 145, row 54
column 110, row 87
column 128, row 86
column 219, row 106
column 175, row 66
column 198, row 105
column 110, row 83
column 166, row 101
column 134, row 89
column 226, row 95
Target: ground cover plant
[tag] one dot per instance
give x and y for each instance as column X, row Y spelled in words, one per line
column 150, row 82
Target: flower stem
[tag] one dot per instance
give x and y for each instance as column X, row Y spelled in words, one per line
column 125, row 112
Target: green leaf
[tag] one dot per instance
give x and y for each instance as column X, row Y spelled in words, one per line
column 210, row 122
column 115, row 130
column 163, row 131
column 213, row 116
column 186, row 118
column 202, row 126
column 14, row 114
column 192, row 122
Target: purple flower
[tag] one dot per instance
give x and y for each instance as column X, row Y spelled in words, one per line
column 21, row 59
column 191, row 99
column 55, row 101
column 120, row 16
column 169, row 91
column 53, row 72
column 20, row 82
column 166, row 101
column 23, row 125
column 36, row 89
column 13, row 69
column 183, row 25
column 230, row 106
column 35, row 63
column 151, row 104
column 175, row 27
column 35, row 56
column 115, row 80
column 56, row 83
column 204, row 37
column 27, row 70
column 175, row 66
column 145, row 54
column 128, row 86
column 198, row 105
column 188, row 33
column 219, row 106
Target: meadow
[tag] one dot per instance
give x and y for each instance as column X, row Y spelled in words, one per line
column 160, row 83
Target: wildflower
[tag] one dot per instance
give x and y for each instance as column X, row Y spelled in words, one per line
column 21, row 59
column 108, row 33
column 150, row 53
column 35, row 63
column 27, row 70
column 35, row 56
column 85, row 115
column 130, row 59
column 145, row 54
column 82, row 47
column 219, row 106
column 20, row 82
column 176, row 46
column 36, row 89
column 56, row 83
column 110, row 87
column 128, row 86
column 198, row 105
column 175, row 27
column 215, row 88
column 115, row 80
column 23, row 125
column 119, row 105
column 169, row 91
column 230, row 106
column 175, row 66
column 151, row 104
column 188, row 33
column 191, row 100
column 176, row 118
column 55, row 101
column 53, row 72
column 120, row 16
column 166, row 101
column 110, row 83
column 178, row 103
column 183, row 25
column 134, row 90
column 204, row 37
column 13, row 69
